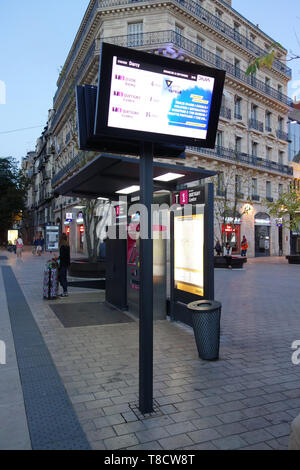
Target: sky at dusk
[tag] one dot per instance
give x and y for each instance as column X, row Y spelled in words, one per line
column 36, row 36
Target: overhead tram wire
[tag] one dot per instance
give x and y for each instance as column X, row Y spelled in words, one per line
column 19, row 130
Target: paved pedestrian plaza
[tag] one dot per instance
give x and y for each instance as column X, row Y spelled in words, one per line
column 77, row 387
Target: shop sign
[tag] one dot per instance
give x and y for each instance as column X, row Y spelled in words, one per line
column 69, row 216
column 228, row 229
column 79, row 219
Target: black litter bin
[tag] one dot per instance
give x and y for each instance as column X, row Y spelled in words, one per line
column 206, row 316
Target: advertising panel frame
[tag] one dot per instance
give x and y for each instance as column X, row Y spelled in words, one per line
column 179, row 298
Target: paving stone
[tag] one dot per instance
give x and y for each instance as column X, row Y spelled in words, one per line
column 204, row 435
column 121, row 442
column 175, row 442
column 230, row 443
column 231, row 429
column 279, row 430
column 180, row 428
column 255, row 423
column 127, row 428
column 150, row 435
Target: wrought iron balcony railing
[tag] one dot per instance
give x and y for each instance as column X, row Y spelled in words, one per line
column 255, row 197
column 191, row 6
column 229, row 154
column 238, row 116
column 257, row 125
column 268, row 128
column 170, row 37
column 225, row 112
column 204, row 15
column 282, row 135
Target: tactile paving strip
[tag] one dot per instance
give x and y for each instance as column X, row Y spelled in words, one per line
column 52, row 421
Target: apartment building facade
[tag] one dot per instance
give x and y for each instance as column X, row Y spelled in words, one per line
column 251, row 153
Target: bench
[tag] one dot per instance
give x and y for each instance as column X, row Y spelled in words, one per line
column 293, row 259
column 236, row 263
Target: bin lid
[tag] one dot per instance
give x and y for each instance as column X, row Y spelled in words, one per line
column 204, row 305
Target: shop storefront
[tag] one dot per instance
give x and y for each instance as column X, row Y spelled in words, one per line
column 80, row 231
column 233, row 233
column 262, row 229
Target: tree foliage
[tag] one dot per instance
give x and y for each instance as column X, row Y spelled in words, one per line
column 13, row 189
column 287, row 208
column 265, row 60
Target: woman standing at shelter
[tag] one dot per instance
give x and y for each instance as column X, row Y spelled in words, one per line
column 64, row 263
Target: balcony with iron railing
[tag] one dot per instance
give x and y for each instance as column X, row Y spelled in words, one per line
column 212, row 20
column 225, row 112
column 282, row 135
column 255, row 197
column 255, row 124
column 170, row 37
column 193, row 8
column 244, row 158
column 238, row 116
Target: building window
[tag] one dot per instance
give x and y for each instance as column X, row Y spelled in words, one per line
column 280, row 189
column 280, row 124
column 238, row 108
column 254, row 149
column 178, row 34
column 238, row 185
column 268, row 121
column 135, row 34
column 238, row 144
column 268, row 84
column 268, row 190
column 236, row 30
column 219, row 54
column 254, row 187
column 237, row 68
column 280, row 157
column 254, row 111
column 268, row 153
column 200, row 44
column 220, row 183
column 219, row 140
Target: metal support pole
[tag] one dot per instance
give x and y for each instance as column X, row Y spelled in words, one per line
column 146, row 284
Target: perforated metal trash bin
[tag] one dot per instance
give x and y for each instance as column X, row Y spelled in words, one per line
column 206, row 316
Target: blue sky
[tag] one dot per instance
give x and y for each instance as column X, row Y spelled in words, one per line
column 35, row 38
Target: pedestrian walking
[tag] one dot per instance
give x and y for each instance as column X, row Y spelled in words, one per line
column 244, row 246
column 38, row 244
column 19, row 247
column 33, row 249
column 218, row 248
column 227, row 252
column 64, row 263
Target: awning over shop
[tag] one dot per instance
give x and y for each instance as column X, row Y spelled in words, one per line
column 107, row 174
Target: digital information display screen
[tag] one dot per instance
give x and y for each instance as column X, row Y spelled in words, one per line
column 151, row 98
column 189, row 253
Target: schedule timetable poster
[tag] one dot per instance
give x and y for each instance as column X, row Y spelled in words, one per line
column 189, row 253
column 150, row 98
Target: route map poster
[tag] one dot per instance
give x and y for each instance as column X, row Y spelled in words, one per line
column 151, row 98
column 189, row 253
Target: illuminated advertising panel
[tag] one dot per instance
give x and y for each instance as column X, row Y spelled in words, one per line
column 149, row 97
column 189, row 253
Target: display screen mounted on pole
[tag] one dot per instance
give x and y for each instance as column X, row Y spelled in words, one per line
column 152, row 98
